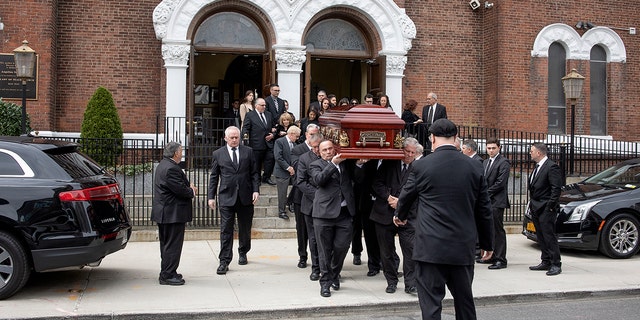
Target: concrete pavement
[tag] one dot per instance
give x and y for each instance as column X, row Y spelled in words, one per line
column 126, row 285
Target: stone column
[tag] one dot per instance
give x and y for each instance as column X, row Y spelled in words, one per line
column 395, row 73
column 289, row 68
column 176, row 57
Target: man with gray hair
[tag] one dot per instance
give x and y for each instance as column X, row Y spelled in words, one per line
column 470, row 149
column 171, row 210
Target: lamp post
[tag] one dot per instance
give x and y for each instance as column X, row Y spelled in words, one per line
column 25, row 59
column 572, row 84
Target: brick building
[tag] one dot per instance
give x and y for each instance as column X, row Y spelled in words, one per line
column 497, row 65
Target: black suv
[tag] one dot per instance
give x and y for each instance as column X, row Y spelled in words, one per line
column 58, row 209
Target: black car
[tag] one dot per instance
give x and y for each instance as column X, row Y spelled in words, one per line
column 600, row 213
column 58, row 209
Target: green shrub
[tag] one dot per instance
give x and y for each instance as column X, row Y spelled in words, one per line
column 11, row 119
column 134, row 169
column 101, row 134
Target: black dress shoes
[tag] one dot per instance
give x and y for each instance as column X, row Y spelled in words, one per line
column 554, row 271
column 542, row 266
column 325, row 292
column 391, row 288
column 314, row 276
column 242, row 259
column 335, row 285
column 283, row 215
column 302, row 264
column 357, row 259
column 484, row 261
column 175, row 281
column 372, row 273
column 411, row 290
column 269, row 181
column 498, row 265
column 222, row 269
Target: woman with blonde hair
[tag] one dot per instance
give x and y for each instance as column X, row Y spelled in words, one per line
column 285, row 121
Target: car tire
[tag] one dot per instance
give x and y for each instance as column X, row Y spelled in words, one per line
column 15, row 271
column 620, row 237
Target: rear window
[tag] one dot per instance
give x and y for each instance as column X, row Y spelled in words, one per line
column 9, row 166
column 77, row 165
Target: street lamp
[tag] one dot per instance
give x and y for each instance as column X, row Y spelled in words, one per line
column 25, row 59
column 572, row 84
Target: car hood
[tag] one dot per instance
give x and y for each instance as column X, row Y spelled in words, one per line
column 588, row 191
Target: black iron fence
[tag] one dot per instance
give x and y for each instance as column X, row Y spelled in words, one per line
column 134, row 163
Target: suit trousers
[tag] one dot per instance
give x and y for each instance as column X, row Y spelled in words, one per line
column 545, row 224
column 370, row 237
column 500, row 236
column 333, row 237
column 227, row 220
column 171, row 236
column 313, row 244
column 390, row 260
column 432, row 278
column 282, row 186
column 264, row 160
column 301, row 233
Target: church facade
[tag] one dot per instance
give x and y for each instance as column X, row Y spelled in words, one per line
column 494, row 64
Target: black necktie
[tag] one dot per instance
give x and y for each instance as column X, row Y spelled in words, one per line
column 404, row 167
column 430, row 116
column 486, row 169
column 535, row 171
column 235, row 156
column 263, row 119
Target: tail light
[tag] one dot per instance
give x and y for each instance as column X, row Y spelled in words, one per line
column 108, row 192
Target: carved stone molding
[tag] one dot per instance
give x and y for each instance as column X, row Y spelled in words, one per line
column 396, row 64
column 176, row 54
column 290, row 59
column 161, row 15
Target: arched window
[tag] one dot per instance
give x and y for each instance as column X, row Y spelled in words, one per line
column 229, row 30
column 333, row 35
column 557, row 103
column 598, row 90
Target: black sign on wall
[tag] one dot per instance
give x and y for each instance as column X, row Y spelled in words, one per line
column 10, row 85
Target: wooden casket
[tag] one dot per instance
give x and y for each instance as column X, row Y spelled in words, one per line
column 364, row 132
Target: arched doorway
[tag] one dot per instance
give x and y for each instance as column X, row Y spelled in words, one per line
column 340, row 57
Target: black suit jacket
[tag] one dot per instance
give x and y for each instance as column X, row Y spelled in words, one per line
column 305, row 183
column 441, row 112
column 271, row 107
column 477, row 157
column 333, row 186
column 544, row 191
column 172, row 194
column 235, row 183
column 233, row 115
column 453, row 207
column 498, row 180
column 257, row 131
column 388, row 181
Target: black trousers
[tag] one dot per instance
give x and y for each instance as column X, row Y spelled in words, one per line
column 264, row 160
column 171, row 236
column 432, row 279
column 390, row 260
column 370, row 238
column 227, row 219
column 545, row 224
column 301, row 233
column 499, row 236
column 333, row 237
column 313, row 244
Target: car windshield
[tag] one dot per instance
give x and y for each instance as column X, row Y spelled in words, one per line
column 77, row 165
column 620, row 174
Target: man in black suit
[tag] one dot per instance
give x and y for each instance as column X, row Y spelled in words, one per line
column 496, row 169
column 171, row 210
column 233, row 166
column 234, row 114
column 316, row 104
column 295, row 195
column 389, row 180
column 308, row 188
column 259, row 126
column 430, row 113
column 275, row 105
column 470, row 149
column 453, row 211
column 544, row 193
column 284, row 168
column 362, row 223
column 333, row 209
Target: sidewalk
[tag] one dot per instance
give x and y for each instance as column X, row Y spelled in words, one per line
column 126, row 285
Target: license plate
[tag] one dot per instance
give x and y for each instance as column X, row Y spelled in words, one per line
column 531, row 227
